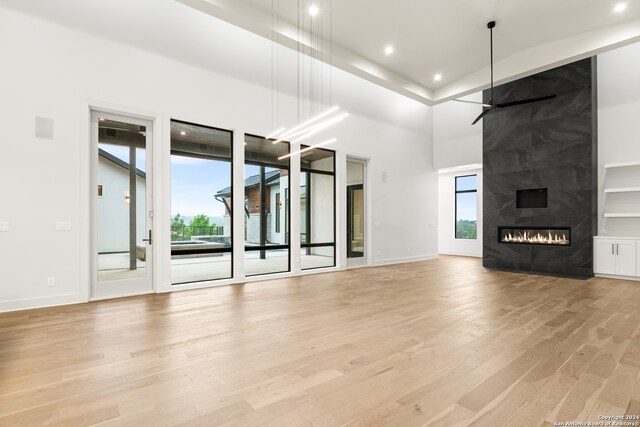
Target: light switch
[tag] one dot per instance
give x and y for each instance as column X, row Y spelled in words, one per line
column 4, row 227
column 63, row 226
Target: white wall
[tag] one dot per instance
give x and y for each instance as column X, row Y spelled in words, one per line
column 55, row 71
column 455, row 141
column 447, row 243
column 619, row 137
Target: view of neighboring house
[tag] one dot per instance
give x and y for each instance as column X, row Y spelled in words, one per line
column 277, row 207
column 114, row 200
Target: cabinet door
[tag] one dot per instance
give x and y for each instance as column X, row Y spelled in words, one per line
column 605, row 256
column 626, row 257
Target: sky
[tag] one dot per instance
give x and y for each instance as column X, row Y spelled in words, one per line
column 467, row 202
column 194, row 182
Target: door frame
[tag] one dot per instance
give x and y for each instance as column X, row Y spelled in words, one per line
column 350, row 189
column 365, row 260
column 88, row 265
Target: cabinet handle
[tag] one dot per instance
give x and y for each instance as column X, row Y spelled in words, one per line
column 617, row 249
column 612, row 252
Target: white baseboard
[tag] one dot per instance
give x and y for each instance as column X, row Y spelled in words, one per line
column 31, row 303
column 391, row 261
column 612, row 276
column 39, row 302
column 461, row 253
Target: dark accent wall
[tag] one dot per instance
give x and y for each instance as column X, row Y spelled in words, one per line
column 551, row 144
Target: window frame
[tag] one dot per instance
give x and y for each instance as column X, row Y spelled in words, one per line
column 231, row 160
column 455, row 209
column 309, row 245
column 287, row 244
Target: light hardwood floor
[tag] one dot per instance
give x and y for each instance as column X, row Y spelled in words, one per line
column 440, row 342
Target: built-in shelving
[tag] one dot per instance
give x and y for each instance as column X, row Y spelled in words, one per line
column 620, row 165
column 617, row 186
column 622, row 215
column 622, row 190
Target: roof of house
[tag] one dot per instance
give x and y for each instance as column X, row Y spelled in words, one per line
column 271, row 178
column 118, row 161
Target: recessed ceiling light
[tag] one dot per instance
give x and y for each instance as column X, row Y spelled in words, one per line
column 313, row 10
column 389, row 50
column 620, row 7
column 437, row 77
column 183, row 133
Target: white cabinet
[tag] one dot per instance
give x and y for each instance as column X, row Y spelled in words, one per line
column 605, row 256
column 616, row 256
column 626, row 258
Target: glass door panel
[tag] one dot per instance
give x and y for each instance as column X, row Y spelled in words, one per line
column 122, row 205
column 355, row 221
column 356, row 213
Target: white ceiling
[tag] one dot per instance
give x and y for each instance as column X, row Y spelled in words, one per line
column 429, row 36
column 442, row 36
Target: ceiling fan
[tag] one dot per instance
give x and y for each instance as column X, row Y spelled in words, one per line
column 492, row 105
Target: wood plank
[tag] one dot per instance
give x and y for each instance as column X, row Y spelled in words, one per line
column 441, row 342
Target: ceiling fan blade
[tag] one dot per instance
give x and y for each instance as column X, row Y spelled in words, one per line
column 472, row 102
column 484, row 113
column 524, row 101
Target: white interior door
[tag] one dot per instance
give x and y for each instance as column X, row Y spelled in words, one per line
column 122, row 204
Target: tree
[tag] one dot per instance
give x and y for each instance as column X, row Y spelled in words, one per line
column 200, row 221
column 466, row 229
column 177, row 227
column 177, row 222
column 200, row 226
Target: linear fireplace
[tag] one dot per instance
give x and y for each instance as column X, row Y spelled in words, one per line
column 550, row 236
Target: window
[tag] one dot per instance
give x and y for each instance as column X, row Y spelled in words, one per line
column 317, row 208
column 466, row 221
column 201, row 203
column 266, row 231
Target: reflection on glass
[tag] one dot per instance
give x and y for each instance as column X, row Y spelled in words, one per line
column 201, row 201
column 355, row 210
column 317, row 206
column 266, row 205
column 355, row 195
column 466, row 207
column 121, row 201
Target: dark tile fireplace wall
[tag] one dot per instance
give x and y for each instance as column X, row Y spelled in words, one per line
column 551, row 144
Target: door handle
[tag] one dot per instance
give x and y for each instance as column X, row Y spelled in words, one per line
column 150, row 240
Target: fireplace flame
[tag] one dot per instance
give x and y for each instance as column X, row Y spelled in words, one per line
column 548, row 238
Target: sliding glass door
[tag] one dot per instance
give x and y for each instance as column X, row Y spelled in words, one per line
column 201, row 203
column 266, row 215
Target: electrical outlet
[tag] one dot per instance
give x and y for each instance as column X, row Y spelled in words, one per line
column 4, row 227
column 63, row 226
column 408, row 249
column 378, row 252
column 51, row 281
